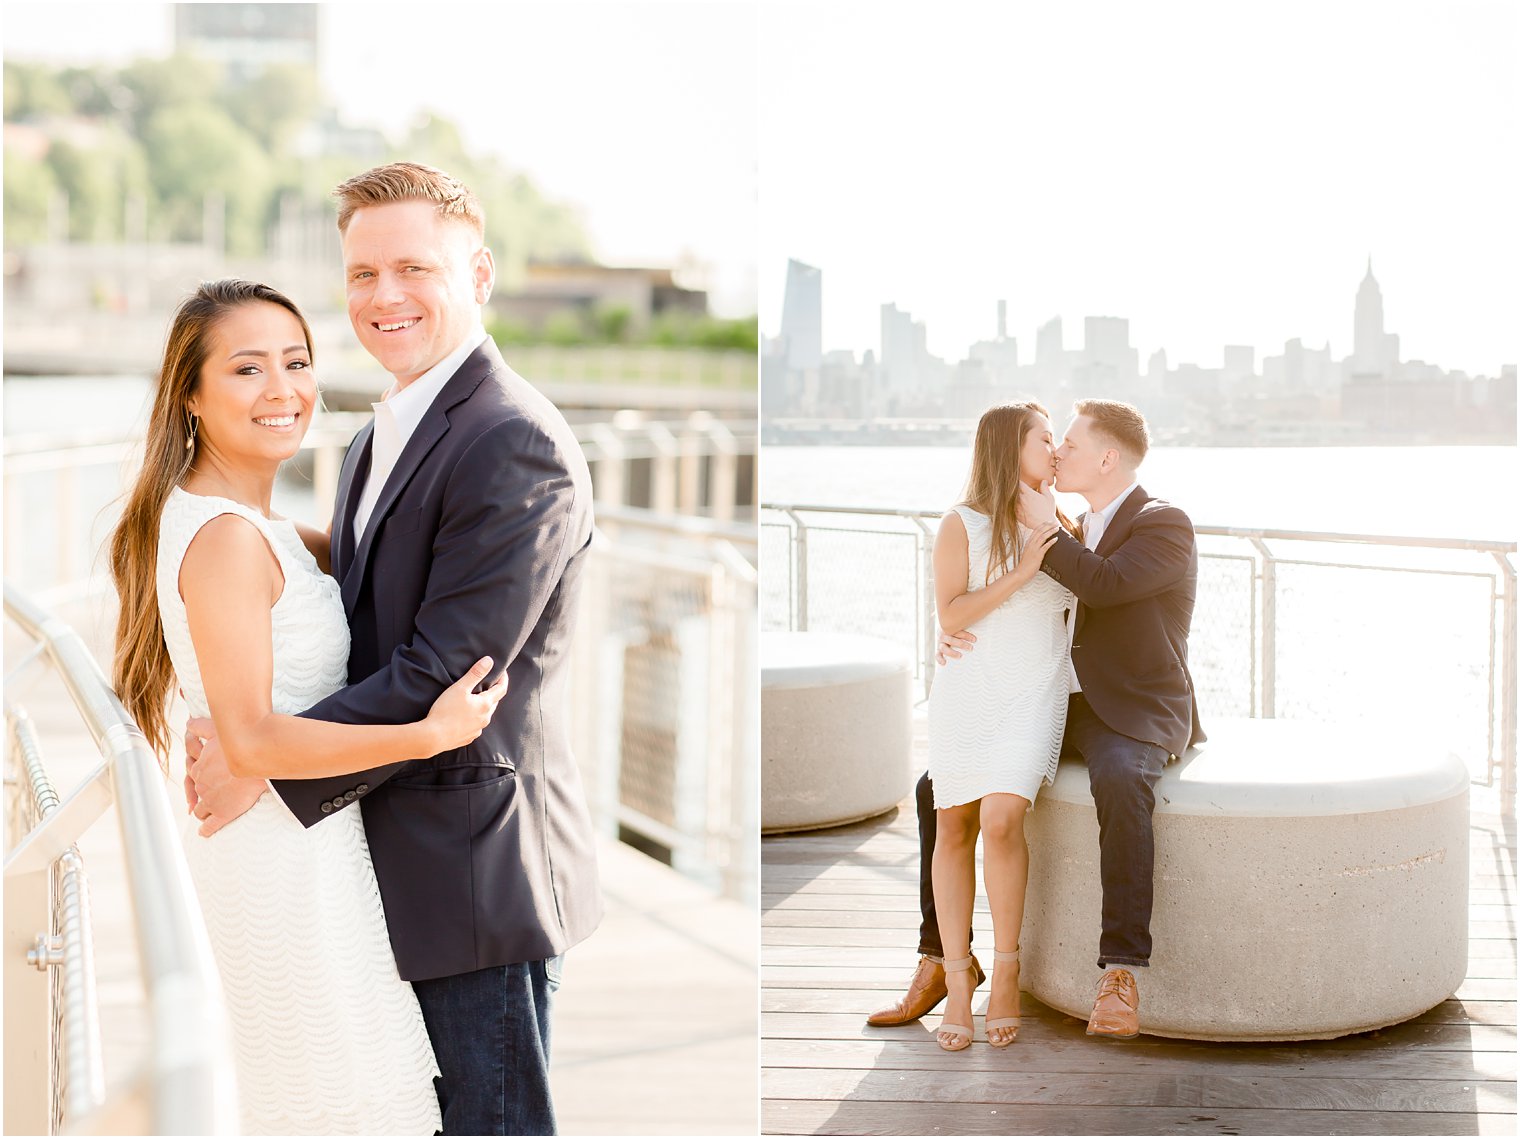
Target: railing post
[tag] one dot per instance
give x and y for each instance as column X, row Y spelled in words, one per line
column 1268, row 630
column 800, row 555
column 1507, row 709
column 28, row 991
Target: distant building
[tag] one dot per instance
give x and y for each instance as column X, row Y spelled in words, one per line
column 802, row 316
column 591, row 290
column 1369, row 341
column 247, row 38
column 904, row 351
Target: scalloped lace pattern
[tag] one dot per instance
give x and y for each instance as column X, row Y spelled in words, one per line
column 996, row 715
column 329, row 1040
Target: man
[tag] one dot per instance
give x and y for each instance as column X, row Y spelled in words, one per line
column 462, row 521
column 1132, row 707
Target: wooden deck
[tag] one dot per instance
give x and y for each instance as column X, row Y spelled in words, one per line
column 839, row 936
column 655, row 1026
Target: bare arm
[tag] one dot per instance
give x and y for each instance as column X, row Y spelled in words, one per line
column 959, row 607
column 229, row 580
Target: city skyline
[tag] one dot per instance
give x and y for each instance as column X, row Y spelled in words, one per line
column 1214, row 172
column 1369, row 344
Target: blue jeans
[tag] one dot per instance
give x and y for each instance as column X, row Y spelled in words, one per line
column 1122, row 773
column 490, row 1033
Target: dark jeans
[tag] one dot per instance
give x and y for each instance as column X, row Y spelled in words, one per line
column 490, row 1033
column 1122, row 773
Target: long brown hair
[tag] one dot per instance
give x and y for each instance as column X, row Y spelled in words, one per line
column 994, row 485
column 142, row 673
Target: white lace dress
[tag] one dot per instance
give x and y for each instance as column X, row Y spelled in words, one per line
column 996, row 715
column 329, row 1039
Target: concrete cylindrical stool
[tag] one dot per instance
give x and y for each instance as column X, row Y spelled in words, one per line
column 835, row 729
column 1311, row 882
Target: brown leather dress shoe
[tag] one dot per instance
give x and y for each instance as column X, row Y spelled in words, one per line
column 1116, row 1012
column 925, row 991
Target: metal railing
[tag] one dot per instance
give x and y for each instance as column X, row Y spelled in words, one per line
column 1275, row 612
column 698, row 464
column 667, row 714
column 53, row 1072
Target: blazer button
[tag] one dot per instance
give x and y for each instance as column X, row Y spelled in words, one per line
column 338, row 802
column 362, row 788
column 327, row 808
column 350, row 795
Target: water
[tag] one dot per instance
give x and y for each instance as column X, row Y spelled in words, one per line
column 1448, row 492
column 1385, row 645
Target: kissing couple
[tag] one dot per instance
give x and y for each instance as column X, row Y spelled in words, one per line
column 391, row 863
column 1058, row 639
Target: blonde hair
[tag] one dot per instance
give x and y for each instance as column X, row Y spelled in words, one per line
column 142, row 673
column 1120, row 423
column 410, row 182
column 994, row 485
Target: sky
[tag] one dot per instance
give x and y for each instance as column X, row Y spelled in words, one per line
column 644, row 114
column 1216, row 173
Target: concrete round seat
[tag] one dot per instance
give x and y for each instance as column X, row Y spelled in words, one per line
column 836, row 731
column 1311, row 882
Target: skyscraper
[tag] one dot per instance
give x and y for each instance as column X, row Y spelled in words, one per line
column 1368, row 339
column 802, row 317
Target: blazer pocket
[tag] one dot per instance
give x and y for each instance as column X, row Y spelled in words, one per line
column 403, row 521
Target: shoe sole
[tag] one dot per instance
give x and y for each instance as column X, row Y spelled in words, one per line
column 1112, row 1035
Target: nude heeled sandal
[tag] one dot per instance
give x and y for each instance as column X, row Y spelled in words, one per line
column 1003, row 1021
column 955, row 1030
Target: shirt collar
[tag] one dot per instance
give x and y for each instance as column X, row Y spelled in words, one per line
column 410, row 404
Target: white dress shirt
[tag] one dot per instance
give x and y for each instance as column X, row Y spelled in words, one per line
column 396, row 418
column 1094, row 526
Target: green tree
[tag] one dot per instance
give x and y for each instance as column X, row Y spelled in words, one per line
column 194, row 150
column 275, row 104
column 153, row 86
column 32, row 91
column 29, row 185
column 98, row 180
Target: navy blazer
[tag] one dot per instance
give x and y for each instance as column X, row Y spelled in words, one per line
column 1135, row 596
column 484, row 855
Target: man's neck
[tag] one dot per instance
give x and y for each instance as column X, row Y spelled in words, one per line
column 1102, row 497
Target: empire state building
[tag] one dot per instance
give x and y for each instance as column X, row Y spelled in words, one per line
column 1374, row 352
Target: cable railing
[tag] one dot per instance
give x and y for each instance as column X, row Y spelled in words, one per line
column 54, row 1080
column 1288, row 623
column 667, row 722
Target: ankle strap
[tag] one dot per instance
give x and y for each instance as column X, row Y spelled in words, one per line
column 999, row 955
column 958, row 965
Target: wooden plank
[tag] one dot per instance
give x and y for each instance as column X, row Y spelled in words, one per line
column 947, row 1086
column 1019, row 1086
column 800, row 999
column 1411, row 1034
column 1360, row 1095
column 1182, row 1056
column 868, row 1117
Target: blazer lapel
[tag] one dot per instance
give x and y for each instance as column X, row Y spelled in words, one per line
column 356, row 460
column 434, row 426
column 1113, row 537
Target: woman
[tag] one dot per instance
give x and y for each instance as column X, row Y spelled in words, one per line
column 234, row 603
column 995, row 716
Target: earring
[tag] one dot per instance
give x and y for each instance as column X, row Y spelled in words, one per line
column 190, row 439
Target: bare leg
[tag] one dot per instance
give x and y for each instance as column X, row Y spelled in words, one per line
column 954, row 894
column 1005, row 869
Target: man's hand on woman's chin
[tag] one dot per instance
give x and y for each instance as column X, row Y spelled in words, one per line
column 952, row 645
column 214, row 794
column 1037, row 507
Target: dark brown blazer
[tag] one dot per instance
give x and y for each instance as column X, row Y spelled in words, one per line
column 484, row 855
column 1135, row 596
